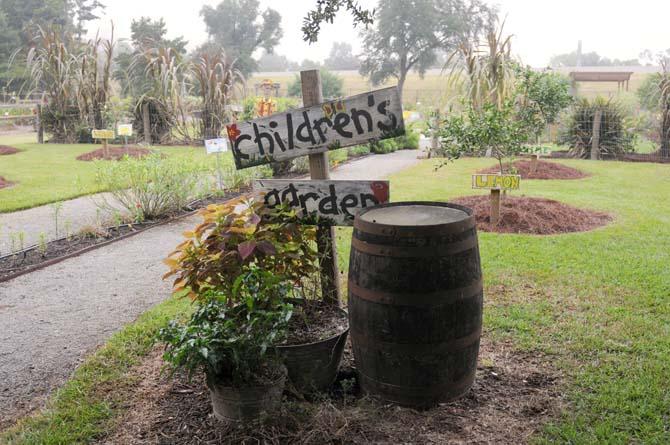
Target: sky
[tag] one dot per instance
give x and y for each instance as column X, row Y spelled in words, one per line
column 540, row 28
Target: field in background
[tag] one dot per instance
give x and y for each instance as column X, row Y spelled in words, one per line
column 434, row 88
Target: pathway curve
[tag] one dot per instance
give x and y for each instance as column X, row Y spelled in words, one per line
column 75, row 214
column 52, row 318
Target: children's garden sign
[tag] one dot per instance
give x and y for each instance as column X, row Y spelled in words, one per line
column 317, row 129
column 331, row 202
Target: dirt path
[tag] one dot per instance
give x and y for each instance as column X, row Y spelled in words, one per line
column 52, row 318
column 75, row 214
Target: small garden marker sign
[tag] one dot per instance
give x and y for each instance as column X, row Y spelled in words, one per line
column 104, row 135
column 495, row 183
column 217, row 146
column 331, row 202
column 317, row 129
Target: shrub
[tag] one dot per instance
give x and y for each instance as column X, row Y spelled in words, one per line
column 331, row 85
column 410, row 141
column 615, row 138
column 649, row 93
column 384, row 146
column 358, row 150
column 235, row 235
column 151, row 187
column 233, row 343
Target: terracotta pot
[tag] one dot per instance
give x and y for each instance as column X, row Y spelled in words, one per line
column 241, row 404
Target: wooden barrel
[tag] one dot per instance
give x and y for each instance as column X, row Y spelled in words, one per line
column 415, row 301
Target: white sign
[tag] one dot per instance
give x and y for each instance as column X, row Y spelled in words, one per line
column 317, row 129
column 219, row 145
column 124, row 130
column 337, row 202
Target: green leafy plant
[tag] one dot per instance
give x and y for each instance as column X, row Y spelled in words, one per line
column 238, row 234
column 490, row 130
column 233, row 344
column 151, row 187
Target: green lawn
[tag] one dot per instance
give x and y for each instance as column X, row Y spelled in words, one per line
column 597, row 304
column 50, row 172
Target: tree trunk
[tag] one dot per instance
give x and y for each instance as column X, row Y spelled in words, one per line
column 401, row 82
column 665, row 131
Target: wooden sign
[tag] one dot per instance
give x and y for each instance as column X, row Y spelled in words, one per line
column 333, row 202
column 102, row 134
column 496, row 182
column 124, row 130
column 317, row 129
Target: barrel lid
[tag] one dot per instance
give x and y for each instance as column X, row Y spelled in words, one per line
column 413, row 214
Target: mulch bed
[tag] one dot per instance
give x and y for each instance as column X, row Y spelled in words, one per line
column 114, row 154
column 315, row 321
column 7, row 150
column 628, row 157
column 544, row 170
column 514, row 395
column 5, row 183
column 537, row 216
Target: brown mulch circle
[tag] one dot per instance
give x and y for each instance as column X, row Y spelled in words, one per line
column 513, row 396
column 544, row 170
column 114, row 154
column 537, row 216
column 7, row 150
column 315, row 321
column 5, row 183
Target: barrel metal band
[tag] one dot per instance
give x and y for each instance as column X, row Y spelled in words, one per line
column 454, row 388
column 414, row 252
column 417, row 299
column 394, row 231
column 360, row 339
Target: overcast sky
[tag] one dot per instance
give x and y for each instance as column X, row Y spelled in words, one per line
column 541, row 28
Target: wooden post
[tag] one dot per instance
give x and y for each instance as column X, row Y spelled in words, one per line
column 533, row 162
column 146, row 120
column 595, row 140
column 495, row 206
column 40, row 127
column 434, row 137
column 105, row 148
column 318, row 169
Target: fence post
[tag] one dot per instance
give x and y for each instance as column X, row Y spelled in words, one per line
column 146, row 120
column 40, row 127
column 318, row 169
column 595, row 139
column 434, row 137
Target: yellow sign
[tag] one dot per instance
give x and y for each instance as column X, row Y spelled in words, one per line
column 102, row 134
column 124, row 130
column 496, row 182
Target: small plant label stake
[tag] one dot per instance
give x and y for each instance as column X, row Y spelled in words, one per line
column 495, row 183
column 327, row 202
column 314, row 130
column 104, row 135
column 217, row 146
column 124, row 130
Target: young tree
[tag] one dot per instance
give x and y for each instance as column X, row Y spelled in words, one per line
column 326, row 10
column 407, row 33
column 239, row 27
column 341, row 58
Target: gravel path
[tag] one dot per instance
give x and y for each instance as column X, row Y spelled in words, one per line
column 52, row 318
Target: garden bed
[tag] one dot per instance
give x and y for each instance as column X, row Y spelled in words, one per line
column 36, row 257
column 7, row 150
column 114, row 153
column 536, row 216
column 543, row 170
column 513, row 396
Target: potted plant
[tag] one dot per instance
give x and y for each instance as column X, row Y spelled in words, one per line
column 236, row 235
column 232, row 338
